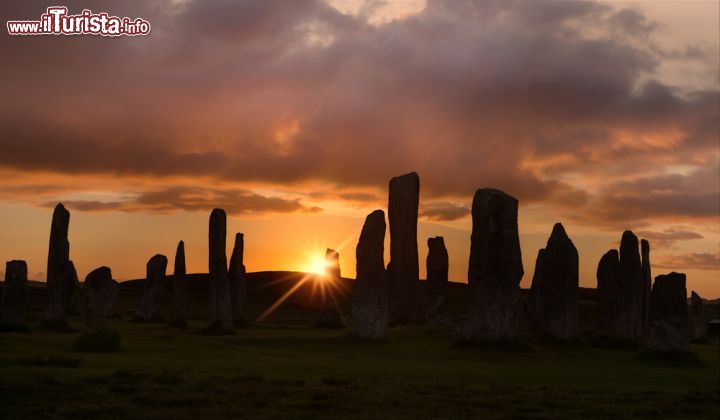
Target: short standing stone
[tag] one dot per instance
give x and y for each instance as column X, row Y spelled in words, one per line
column 646, row 285
column 495, row 269
column 149, row 309
column 668, row 324
column 370, row 300
column 100, row 292
column 698, row 327
column 13, row 308
column 238, row 280
column 403, row 269
column 437, row 264
column 554, row 291
column 180, row 287
column 629, row 326
column 608, row 293
column 330, row 316
column 221, row 315
column 61, row 275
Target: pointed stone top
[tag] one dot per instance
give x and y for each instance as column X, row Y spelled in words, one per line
column 492, row 192
column 694, row 295
column 60, row 207
column 216, row 212
column 628, row 235
column 158, row 258
column 100, row 272
column 611, row 254
column 558, row 232
column 331, row 252
column 644, row 245
column 376, row 214
column 181, row 244
column 239, row 236
column 671, row 277
column 406, row 177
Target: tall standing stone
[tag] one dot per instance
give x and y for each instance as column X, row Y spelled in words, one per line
column 646, row 285
column 668, row 324
column 13, row 307
column 238, row 280
column 629, row 326
column 100, row 292
column 554, row 291
column 495, row 269
column 61, row 275
column 149, row 309
column 370, row 315
column 403, row 269
column 330, row 316
column 221, row 315
column 608, row 293
column 698, row 327
column 180, row 287
column 437, row 263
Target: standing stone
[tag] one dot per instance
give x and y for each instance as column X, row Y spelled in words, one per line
column 100, row 292
column 61, row 275
column 238, row 281
column 698, row 327
column 370, row 315
column 554, row 291
column 403, row 269
column 608, row 293
column 668, row 330
column 149, row 309
column 629, row 326
column 180, row 287
column 330, row 316
column 13, row 307
column 437, row 263
column 221, row 315
column 646, row 286
column 495, row 269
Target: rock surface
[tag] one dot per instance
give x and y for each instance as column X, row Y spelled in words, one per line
column 180, row 287
column 554, row 290
column 668, row 326
column 646, row 286
column 698, row 326
column 238, row 280
column 13, row 307
column 495, row 269
column 330, row 316
column 100, row 292
column 220, row 314
column 403, row 269
column 629, row 325
column 149, row 309
column 61, row 275
column 608, row 293
column 437, row 263
column 370, row 315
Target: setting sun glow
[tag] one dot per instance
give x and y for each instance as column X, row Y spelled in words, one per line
column 318, row 266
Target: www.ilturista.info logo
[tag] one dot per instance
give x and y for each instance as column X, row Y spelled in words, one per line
column 56, row 21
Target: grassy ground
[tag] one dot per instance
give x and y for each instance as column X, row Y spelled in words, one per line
column 273, row 372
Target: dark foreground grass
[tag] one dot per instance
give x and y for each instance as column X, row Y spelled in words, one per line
column 265, row 372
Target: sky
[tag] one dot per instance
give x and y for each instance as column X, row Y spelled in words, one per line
column 293, row 117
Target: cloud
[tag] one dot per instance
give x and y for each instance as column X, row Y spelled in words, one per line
column 443, row 211
column 234, row 201
column 557, row 103
column 689, row 261
column 668, row 237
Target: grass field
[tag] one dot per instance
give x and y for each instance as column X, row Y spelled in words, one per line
column 281, row 369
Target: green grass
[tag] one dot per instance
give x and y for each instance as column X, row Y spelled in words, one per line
column 295, row 372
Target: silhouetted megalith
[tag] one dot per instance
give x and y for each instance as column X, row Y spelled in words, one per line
column 403, row 269
column 495, row 269
column 554, row 291
column 238, row 280
column 149, row 309
column 61, row 275
column 698, row 327
column 100, row 292
column 180, row 287
column 221, row 315
column 608, row 293
column 668, row 324
column 330, row 316
column 437, row 264
column 13, row 307
column 370, row 301
column 629, row 326
column 646, row 286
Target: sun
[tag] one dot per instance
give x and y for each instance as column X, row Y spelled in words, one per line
column 318, row 266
